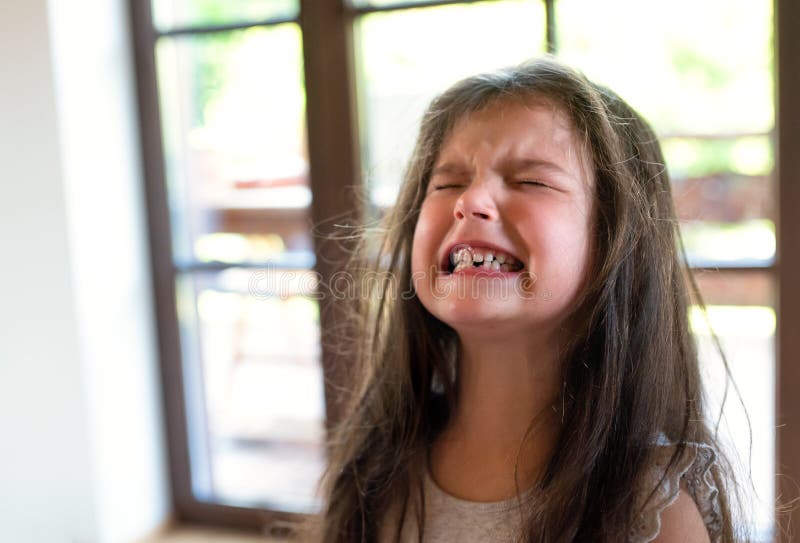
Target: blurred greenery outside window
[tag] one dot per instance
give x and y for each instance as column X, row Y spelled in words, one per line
column 233, row 108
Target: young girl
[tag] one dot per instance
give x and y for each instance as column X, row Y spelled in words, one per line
column 525, row 366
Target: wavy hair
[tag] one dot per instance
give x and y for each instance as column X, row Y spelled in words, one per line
column 630, row 372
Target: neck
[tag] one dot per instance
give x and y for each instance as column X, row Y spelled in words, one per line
column 507, row 389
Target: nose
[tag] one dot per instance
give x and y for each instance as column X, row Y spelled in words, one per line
column 476, row 202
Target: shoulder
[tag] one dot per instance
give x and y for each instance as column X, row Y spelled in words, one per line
column 681, row 522
column 678, row 499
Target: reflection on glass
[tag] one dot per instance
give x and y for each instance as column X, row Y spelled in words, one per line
column 398, row 75
column 169, row 14
column 233, row 111
column 690, row 67
column 261, row 417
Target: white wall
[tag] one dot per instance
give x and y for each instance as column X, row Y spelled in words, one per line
column 81, row 441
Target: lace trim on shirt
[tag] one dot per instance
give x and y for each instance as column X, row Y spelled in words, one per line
column 694, row 468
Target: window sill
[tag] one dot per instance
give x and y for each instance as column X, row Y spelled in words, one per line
column 199, row 534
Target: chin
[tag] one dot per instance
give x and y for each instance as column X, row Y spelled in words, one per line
column 471, row 314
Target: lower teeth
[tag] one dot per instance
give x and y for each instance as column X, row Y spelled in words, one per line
column 488, row 266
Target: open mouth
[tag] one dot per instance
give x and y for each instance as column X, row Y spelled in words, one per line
column 463, row 257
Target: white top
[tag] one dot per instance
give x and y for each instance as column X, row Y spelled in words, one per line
column 448, row 518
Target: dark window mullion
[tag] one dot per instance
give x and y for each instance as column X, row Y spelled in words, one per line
column 228, row 27
column 551, row 26
column 787, row 374
column 714, row 137
column 400, row 6
column 723, row 268
column 334, row 164
column 161, row 254
column 285, row 261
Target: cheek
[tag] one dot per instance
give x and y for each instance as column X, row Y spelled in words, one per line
column 427, row 236
column 420, row 246
column 571, row 255
column 421, row 277
column 558, row 240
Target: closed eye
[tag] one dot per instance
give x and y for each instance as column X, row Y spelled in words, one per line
column 530, row 182
column 446, row 186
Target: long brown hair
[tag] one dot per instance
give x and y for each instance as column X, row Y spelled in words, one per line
column 630, row 372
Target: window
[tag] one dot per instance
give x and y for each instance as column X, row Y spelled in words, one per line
column 258, row 117
column 223, row 94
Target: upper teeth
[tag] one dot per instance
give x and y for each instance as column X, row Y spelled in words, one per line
column 464, row 256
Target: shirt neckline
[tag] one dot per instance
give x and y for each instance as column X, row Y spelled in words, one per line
column 467, row 505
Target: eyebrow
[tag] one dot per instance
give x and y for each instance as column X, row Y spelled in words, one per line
column 449, row 168
column 514, row 164
column 517, row 164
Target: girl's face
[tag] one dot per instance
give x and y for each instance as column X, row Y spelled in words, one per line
column 511, row 187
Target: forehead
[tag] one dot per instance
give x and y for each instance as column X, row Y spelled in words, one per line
column 535, row 128
column 507, row 122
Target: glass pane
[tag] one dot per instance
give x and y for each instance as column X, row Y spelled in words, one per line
column 688, row 157
column 169, row 14
column 712, row 59
column 735, row 244
column 398, row 76
column 724, row 198
column 741, row 313
column 233, row 116
column 254, row 386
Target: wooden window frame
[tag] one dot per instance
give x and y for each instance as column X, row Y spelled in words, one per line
column 787, row 168
column 334, row 163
